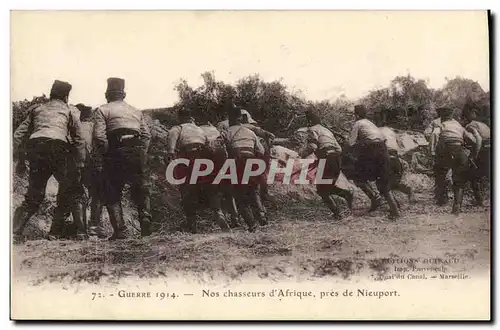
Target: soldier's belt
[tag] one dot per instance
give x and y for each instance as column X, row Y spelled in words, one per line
column 127, row 137
column 192, row 147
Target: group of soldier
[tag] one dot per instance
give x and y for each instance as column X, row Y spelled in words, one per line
column 102, row 150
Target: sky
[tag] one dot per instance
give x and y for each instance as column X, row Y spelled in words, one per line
column 324, row 54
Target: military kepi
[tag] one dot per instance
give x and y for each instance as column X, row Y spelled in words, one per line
column 115, row 85
column 60, row 88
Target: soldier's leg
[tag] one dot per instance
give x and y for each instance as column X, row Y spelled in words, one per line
column 441, row 168
column 39, row 174
column 114, row 182
column 460, row 168
column 258, row 210
column 141, row 196
column 243, row 202
column 215, row 200
column 188, row 200
column 324, row 193
column 141, row 188
column 374, row 196
column 382, row 169
column 70, row 199
column 96, row 189
column 230, row 204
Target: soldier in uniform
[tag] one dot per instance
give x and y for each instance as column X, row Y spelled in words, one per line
column 396, row 168
column 480, row 167
column 451, row 154
column 218, row 154
column 189, row 141
column 372, row 156
column 122, row 140
column 322, row 143
column 242, row 144
column 266, row 138
column 91, row 177
column 47, row 128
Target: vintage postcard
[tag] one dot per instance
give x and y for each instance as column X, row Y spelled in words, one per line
column 250, row 165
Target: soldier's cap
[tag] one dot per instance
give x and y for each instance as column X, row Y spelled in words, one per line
column 115, row 85
column 234, row 113
column 249, row 117
column 83, row 108
column 184, row 113
column 312, row 115
column 471, row 110
column 60, row 88
column 444, row 111
column 360, row 110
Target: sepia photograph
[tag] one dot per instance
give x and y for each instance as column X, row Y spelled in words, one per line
column 250, row 165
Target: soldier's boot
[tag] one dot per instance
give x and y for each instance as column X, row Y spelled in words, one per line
column 233, row 212
column 145, row 217
column 375, row 199
column 247, row 215
column 457, row 202
column 441, row 193
column 332, row 205
column 79, row 221
column 95, row 227
column 117, row 222
column 259, row 216
column 478, row 196
column 21, row 217
column 57, row 227
column 393, row 206
column 191, row 224
column 234, row 221
column 221, row 221
column 345, row 194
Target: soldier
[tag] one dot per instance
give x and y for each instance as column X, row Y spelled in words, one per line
column 266, row 138
column 396, row 164
column 372, row 157
column 242, row 144
column 189, row 141
column 322, row 143
column 481, row 155
column 47, row 128
column 122, row 140
column 451, row 154
column 91, row 179
column 218, row 154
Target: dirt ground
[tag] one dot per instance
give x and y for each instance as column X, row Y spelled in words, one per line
column 301, row 242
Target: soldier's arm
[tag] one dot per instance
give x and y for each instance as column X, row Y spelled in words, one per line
column 99, row 134
column 428, row 131
column 173, row 137
column 22, row 132
column 259, row 148
column 145, row 133
column 475, row 137
column 75, row 131
column 311, row 144
column 260, row 132
column 353, row 137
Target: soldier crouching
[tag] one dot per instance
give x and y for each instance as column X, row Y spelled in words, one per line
column 189, row 141
column 242, row 145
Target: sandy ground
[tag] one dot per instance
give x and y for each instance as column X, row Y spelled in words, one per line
column 301, row 242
